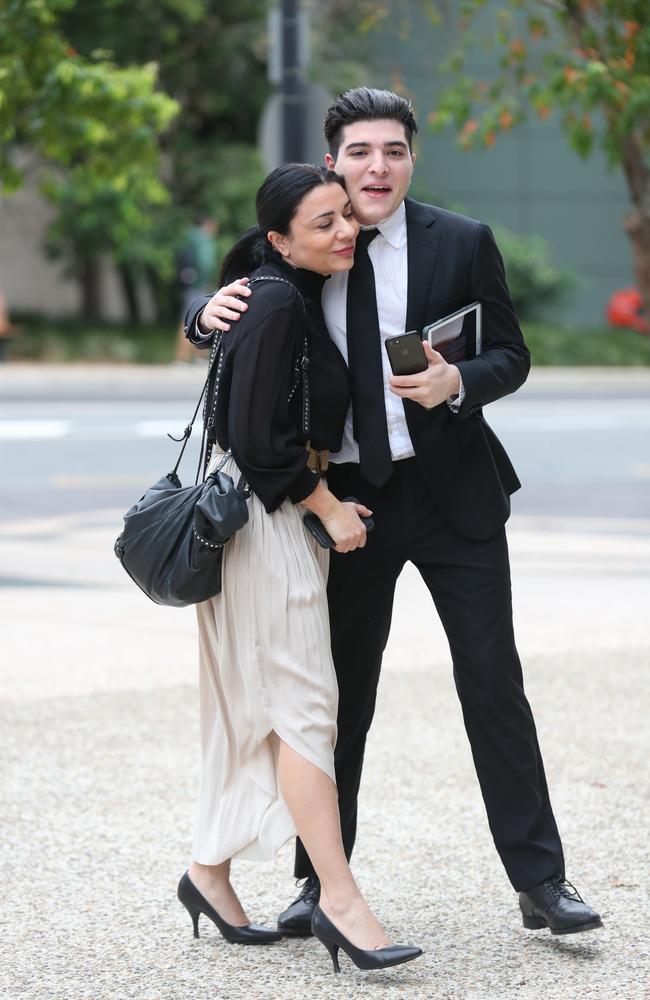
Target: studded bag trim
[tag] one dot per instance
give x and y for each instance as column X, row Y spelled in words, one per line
column 215, row 370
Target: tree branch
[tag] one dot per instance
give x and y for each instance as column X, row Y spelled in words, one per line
column 636, row 171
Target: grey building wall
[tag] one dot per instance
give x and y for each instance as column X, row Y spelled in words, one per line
column 530, row 180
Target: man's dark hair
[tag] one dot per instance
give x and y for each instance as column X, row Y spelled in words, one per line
column 362, row 105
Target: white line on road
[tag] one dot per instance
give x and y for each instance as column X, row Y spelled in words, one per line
column 504, row 416
column 159, row 428
column 23, row 430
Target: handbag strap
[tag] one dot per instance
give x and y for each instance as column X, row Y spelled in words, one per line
column 301, row 366
column 213, row 384
column 216, row 352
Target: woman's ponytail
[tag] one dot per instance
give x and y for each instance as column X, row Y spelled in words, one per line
column 251, row 250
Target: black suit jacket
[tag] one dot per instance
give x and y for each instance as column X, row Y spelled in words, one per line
column 452, row 261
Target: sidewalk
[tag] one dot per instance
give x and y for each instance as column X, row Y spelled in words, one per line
column 100, row 722
column 180, row 381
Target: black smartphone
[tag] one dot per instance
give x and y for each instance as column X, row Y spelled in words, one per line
column 406, row 353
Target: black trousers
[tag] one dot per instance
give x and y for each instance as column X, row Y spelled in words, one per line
column 469, row 582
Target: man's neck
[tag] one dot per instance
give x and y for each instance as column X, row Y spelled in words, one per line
column 380, row 222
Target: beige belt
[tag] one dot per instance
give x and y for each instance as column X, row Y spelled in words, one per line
column 318, row 461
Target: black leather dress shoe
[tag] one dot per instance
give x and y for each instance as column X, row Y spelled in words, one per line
column 557, row 904
column 296, row 919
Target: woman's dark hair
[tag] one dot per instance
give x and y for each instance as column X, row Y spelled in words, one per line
column 276, row 203
column 362, row 105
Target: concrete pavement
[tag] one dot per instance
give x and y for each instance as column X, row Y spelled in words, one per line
column 100, row 767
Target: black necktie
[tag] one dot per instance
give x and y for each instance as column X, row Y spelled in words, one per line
column 365, row 364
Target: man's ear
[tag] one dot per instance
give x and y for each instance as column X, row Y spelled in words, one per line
column 329, row 161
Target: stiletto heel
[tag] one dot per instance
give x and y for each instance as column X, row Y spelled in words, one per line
column 334, row 955
column 196, row 904
column 194, row 915
column 379, row 958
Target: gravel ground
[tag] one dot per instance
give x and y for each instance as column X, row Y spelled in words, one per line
column 100, row 767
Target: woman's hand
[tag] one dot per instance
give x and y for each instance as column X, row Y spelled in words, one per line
column 224, row 306
column 340, row 520
column 346, row 527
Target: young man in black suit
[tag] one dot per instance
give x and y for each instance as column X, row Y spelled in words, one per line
column 419, row 454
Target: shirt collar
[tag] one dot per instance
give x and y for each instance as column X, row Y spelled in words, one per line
column 393, row 229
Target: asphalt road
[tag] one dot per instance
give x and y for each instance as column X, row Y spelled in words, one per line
column 81, row 439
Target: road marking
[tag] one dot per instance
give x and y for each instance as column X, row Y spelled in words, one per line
column 23, row 430
column 64, row 482
column 507, row 417
column 159, row 428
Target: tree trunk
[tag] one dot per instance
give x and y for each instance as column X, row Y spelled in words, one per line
column 90, row 279
column 164, row 297
column 129, row 287
column 637, row 221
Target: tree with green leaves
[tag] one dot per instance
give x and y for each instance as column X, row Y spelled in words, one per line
column 211, row 58
column 585, row 61
column 205, row 60
column 91, row 128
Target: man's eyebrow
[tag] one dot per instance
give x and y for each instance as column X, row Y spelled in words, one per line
column 365, row 145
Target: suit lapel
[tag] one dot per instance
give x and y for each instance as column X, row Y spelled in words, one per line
column 422, row 254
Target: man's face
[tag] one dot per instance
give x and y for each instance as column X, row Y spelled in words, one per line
column 375, row 159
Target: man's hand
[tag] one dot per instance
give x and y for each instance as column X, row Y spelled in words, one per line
column 429, row 388
column 223, row 306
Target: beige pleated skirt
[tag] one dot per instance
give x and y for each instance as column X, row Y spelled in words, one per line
column 265, row 671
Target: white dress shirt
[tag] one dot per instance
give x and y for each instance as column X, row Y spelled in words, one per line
column 388, row 254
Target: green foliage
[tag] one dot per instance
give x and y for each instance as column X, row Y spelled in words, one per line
column 587, row 61
column 96, row 124
column 211, row 57
column 535, row 284
column 228, row 177
column 86, row 87
column 57, row 341
column 94, row 87
column 552, row 345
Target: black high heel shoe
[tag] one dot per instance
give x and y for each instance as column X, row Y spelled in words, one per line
column 196, row 904
column 379, row 958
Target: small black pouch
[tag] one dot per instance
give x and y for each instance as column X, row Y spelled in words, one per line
column 316, row 527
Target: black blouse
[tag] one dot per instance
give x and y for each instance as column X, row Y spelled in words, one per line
column 255, row 418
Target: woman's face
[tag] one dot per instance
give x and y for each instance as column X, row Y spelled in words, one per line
column 322, row 233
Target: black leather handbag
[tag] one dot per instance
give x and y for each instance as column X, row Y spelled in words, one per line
column 173, row 537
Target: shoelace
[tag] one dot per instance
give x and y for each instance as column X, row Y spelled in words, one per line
column 310, row 889
column 566, row 889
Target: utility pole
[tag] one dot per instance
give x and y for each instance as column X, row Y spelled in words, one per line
column 293, row 84
column 290, row 130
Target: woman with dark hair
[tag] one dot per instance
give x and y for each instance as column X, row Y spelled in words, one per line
column 267, row 682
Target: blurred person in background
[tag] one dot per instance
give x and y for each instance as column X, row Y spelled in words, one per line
column 196, row 271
